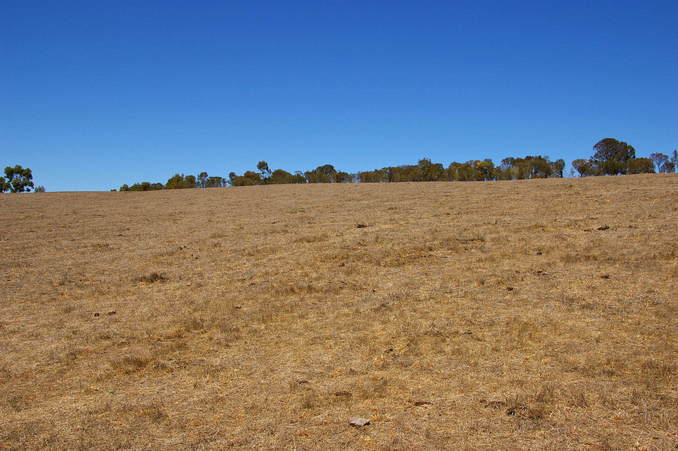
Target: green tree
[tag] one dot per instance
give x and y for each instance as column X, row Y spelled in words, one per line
column 215, row 182
column 263, row 168
column 662, row 162
column 506, row 170
column 429, row 171
column 375, row 176
column 486, row 169
column 280, row 176
column 253, row 176
column 558, row 167
column 18, row 179
column 181, row 181
column 463, row 172
column 582, row 166
column 249, row 178
column 530, row 167
column 322, row 174
column 144, row 186
column 640, row 166
column 538, row 167
column 4, row 186
column 343, row 177
column 174, row 182
column 202, row 179
column 190, row 182
column 612, row 156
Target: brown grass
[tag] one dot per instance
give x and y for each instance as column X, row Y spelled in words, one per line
column 526, row 314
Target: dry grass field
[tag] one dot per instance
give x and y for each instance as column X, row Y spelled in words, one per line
column 501, row 315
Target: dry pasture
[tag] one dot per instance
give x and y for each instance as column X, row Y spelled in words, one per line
column 526, row 314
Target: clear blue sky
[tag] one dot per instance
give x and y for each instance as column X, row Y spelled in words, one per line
column 94, row 94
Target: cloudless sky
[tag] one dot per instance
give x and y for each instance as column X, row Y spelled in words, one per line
column 94, row 94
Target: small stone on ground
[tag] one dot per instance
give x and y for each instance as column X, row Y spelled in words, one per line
column 358, row 422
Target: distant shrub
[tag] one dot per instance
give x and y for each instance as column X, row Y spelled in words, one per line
column 143, row 186
column 640, row 166
column 181, row 181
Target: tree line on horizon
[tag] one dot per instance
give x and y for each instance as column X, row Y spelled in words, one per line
column 611, row 157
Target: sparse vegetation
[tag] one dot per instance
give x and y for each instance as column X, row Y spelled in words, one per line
column 612, row 157
column 524, row 315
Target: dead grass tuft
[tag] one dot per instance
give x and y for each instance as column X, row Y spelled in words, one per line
column 151, row 278
column 132, row 363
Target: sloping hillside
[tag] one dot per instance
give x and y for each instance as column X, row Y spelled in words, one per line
column 531, row 314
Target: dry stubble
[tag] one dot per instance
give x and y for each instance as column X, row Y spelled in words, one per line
column 466, row 315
